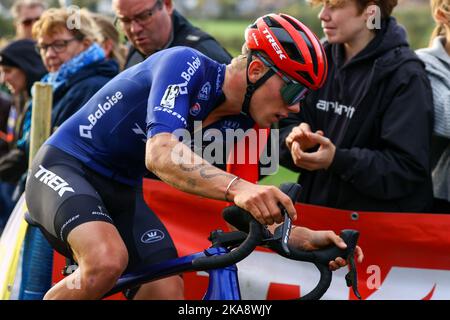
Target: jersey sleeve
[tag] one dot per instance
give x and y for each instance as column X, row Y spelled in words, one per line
column 175, row 82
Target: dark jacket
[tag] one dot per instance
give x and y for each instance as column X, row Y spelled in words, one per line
column 185, row 34
column 19, row 54
column 377, row 110
column 5, row 106
column 80, row 88
column 67, row 99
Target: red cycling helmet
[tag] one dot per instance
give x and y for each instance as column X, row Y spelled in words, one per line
column 291, row 46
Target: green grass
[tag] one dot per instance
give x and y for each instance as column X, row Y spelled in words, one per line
column 283, row 175
column 230, row 33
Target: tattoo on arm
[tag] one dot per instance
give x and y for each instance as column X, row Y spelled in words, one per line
column 204, row 173
column 204, row 168
column 191, row 183
column 193, row 168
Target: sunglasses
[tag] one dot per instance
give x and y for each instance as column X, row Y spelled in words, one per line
column 29, row 21
column 292, row 92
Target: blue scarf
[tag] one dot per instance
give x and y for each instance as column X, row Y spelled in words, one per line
column 89, row 56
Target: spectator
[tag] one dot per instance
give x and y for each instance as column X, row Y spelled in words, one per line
column 362, row 141
column 152, row 25
column 5, row 188
column 5, row 106
column 74, row 58
column 111, row 39
column 437, row 61
column 76, row 63
column 25, row 14
column 20, row 67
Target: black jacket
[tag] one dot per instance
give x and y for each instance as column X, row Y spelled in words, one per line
column 185, row 34
column 377, row 110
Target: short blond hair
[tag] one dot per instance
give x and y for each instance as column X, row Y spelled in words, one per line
column 54, row 21
column 19, row 4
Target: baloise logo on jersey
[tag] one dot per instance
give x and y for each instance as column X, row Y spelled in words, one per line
column 102, row 109
column 174, row 90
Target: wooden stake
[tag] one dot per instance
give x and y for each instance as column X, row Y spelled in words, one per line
column 40, row 117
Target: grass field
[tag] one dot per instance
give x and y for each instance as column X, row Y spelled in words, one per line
column 230, row 33
column 283, row 175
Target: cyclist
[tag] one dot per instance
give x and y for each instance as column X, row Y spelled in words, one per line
column 83, row 189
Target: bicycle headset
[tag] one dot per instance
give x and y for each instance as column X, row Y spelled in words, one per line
column 289, row 49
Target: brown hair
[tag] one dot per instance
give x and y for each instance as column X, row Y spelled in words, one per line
column 386, row 6
column 54, row 21
column 109, row 32
column 444, row 6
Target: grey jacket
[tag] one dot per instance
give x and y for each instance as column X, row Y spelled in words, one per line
column 437, row 62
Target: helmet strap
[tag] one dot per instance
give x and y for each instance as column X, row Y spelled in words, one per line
column 251, row 87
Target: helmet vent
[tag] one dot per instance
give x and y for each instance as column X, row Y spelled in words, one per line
column 305, row 76
column 272, row 23
column 293, row 52
column 312, row 52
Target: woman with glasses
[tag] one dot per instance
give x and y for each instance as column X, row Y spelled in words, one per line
column 70, row 46
column 362, row 141
column 97, row 213
column 437, row 61
column 75, row 62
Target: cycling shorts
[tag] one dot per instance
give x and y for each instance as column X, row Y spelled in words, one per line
column 62, row 193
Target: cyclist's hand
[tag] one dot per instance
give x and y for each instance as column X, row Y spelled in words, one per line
column 262, row 201
column 298, row 138
column 309, row 240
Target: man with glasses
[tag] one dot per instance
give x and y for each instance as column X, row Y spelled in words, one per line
column 100, row 155
column 25, row 14
column 153, row 25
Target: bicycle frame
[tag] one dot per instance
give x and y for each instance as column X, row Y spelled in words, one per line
column 223, row 282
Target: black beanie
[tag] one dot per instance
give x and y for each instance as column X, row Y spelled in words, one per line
column 22, row 54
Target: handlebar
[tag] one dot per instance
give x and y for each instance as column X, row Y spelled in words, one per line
column 279, row 243
column 256, row 233
column 321, row 258
column 245, row 241
column 253, row 239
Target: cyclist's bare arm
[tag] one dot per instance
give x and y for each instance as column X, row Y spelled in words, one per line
column 175, row 164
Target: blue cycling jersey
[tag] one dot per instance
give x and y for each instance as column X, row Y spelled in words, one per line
column 168, row 91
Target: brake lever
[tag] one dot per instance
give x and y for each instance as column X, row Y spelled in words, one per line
column 283, row 232
column 293, row 191
column 351, row 277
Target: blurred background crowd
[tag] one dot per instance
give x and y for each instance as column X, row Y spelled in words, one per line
column 227, row 19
